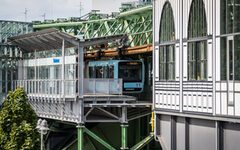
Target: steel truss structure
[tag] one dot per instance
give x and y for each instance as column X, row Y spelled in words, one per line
column 136, row 23
column 9, row 54
column 83, row 107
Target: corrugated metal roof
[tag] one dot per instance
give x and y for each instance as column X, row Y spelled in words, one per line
column 42, row 40
column 50, row 39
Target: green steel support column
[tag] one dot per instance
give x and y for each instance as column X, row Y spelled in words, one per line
column 97, row 138
column 148, row 128
column 80, row 137
column 138, row 129
column 124, row 136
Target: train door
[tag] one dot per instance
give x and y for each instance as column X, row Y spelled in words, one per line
column 230, row 73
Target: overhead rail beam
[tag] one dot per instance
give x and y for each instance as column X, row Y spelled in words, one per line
column 135, row 11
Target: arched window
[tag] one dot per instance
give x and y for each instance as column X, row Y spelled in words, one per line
column 197, row 46
column 166, row 36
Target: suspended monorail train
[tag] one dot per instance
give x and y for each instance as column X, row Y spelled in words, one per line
column 130, row 71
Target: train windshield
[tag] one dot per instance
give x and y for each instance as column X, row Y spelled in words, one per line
column 101, row 72
column 130, row 71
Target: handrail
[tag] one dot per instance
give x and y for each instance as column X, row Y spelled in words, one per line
column 52, row 88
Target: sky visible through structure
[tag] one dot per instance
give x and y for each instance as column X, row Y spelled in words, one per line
column 53, row 9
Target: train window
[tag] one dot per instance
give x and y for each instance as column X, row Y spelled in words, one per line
column 99, row 72
column 111, row 71
column 130, row 72
column 105, row 72
column 92, row 72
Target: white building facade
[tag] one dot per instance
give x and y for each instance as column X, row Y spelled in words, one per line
column 197, row 73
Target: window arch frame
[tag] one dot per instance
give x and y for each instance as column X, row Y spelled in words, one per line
column 197, row 42
column 167, row 44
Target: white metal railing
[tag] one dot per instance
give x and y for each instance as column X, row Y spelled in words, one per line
column 48, row 88
column 103, row 86
column 54, row 88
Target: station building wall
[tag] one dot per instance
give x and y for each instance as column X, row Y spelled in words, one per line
column 196, row 73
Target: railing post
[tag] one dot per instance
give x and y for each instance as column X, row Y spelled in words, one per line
column 49, row 93
column 95, row 86
column 63, row 69
column 80, row 70
column 28, row 87
column 108, row 86
column 121, row 86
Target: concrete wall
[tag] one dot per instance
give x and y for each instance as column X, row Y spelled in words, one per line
column 181, row 133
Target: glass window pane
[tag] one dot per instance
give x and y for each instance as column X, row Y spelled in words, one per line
column 167, row 24
column 166, row 53
column 237, row 16
column 111, row 71
column 223, row 59
column 230, row 42
column 99, row 72
column 230, row 16
column 197, row 26
column 92, row 72
column 130, row 72
column 223, row 16
column 197, row 51
column 237, row 57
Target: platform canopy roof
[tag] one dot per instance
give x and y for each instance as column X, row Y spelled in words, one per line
column 52, row 38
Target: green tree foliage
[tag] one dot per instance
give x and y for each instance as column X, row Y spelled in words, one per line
column 18, row 123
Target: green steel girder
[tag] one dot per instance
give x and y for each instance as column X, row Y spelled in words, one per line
column 9, row 54
column 143, row 143
column 105, row 144
column 136, row 23
column 13, row 28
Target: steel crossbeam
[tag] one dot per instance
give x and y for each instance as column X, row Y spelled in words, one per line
column 136, row 23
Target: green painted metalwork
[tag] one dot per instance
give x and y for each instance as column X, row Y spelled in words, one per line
column 13, row 28
column 143, row 143
column 9, row 54
column 81, row 138
column 137, row 23
column 105, row 144
column 124, row 137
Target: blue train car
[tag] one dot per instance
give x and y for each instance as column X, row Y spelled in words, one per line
column 131, row 71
